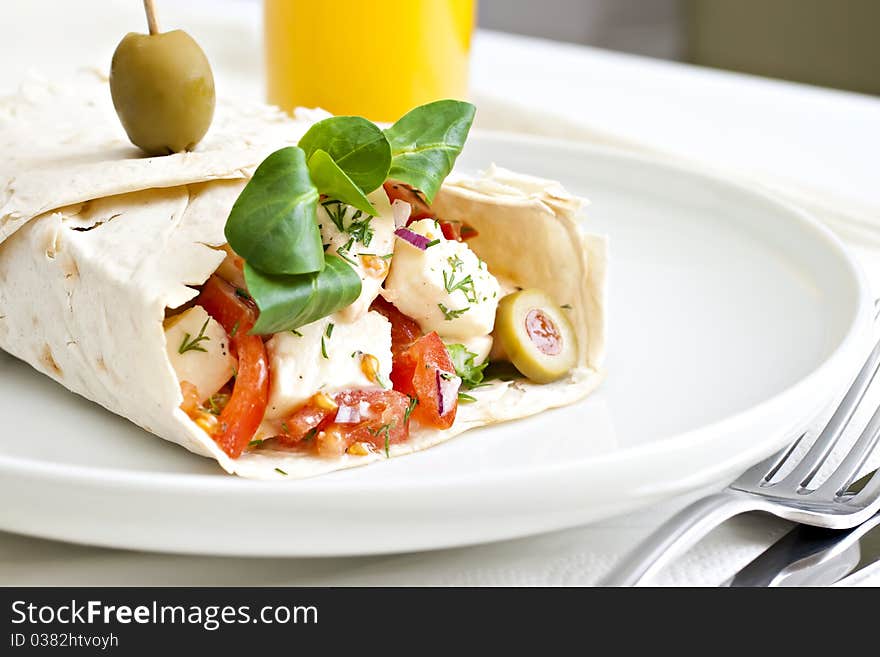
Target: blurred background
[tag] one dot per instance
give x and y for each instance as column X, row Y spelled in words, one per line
column 833, row 43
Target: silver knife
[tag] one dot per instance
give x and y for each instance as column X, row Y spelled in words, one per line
column 814, row 556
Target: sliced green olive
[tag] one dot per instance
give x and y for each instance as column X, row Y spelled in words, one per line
column 536, row 335
column 163, row 91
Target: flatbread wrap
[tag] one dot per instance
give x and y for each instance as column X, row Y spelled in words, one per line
column 108, row 261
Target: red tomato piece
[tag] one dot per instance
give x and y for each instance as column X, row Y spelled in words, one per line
column 452, row 230
column 404, row 329
column 305, row 420
column 416, row 373
column 398, row 191
column 382, row 422
column 241, row 417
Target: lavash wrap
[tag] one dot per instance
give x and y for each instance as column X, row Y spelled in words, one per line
column 98, row 242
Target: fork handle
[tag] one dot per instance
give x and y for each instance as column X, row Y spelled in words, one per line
column 677, row 535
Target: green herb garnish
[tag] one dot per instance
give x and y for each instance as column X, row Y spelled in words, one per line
column 470, row 373
column 216, row 402
column 384, row 429
column 193, row 344
column 332, row 181
column 255, row 442
column 413, row 402
column 329, row 331
column 358, row 147
column 449, row 315
column 466, row 285
column 465, row 398
column 426, row 141
column 289, row 302
column 279, row 470
column 324, row 347
column 273, row 225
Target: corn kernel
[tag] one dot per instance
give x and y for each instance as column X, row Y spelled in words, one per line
column 190, row 404
column 370, row 367
column 359, row 449
column 325, row 401
column 207, row 422
column 374, row 265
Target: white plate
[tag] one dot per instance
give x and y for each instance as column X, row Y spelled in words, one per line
column 734, row 320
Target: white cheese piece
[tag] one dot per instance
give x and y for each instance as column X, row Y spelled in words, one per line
column 480, row 345
column 361, row 241
column 298, row 368
column 206, row 361
column 445, row 288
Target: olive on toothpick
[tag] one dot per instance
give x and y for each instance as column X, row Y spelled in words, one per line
column 162, row 88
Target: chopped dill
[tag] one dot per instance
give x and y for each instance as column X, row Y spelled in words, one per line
column 451, row 314
column 193, row 344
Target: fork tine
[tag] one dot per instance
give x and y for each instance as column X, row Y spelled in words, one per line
column 813, row 460
column 762, row 472
column 850, row 466
column 869, row 494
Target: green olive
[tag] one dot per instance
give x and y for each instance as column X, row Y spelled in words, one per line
column 163, row 91
column 536, row 335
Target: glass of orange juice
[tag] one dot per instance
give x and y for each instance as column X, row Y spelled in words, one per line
column 373, row 58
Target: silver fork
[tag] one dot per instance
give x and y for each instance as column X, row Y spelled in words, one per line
column 793, row 497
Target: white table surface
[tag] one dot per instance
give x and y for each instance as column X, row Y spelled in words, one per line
column 819, row 144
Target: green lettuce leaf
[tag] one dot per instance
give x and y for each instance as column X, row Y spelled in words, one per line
column 426, row 141
column 288, row 302
column 332, row 181
column 273, row 223
column 356, row 145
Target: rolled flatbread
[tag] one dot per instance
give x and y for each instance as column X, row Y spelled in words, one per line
column 98, row 243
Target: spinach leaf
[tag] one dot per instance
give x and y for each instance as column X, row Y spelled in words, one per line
column 333, row 182
column 288, row 302
column 426, row 141
column 357, row 145
column 463, row 360
column 273, row 223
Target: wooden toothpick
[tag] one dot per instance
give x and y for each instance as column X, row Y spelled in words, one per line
column 151, row 16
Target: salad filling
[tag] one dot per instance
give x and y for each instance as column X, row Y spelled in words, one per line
column 346, row 310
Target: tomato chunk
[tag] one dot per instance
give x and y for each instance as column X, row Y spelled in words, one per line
column 304, row 423
column 241, row 417
column 398, row 191
column 422, row 372
column 452, row 230
column 375, row 417
column 404, row 329
column 382, row 423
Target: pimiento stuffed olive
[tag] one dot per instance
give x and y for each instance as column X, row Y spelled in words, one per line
column 536, row 335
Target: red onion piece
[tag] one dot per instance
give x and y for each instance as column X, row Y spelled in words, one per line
column 447, row 392
column 348, row 414
column 400, row 210
column 412, row 238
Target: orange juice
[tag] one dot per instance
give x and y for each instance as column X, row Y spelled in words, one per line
column 374, row 58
